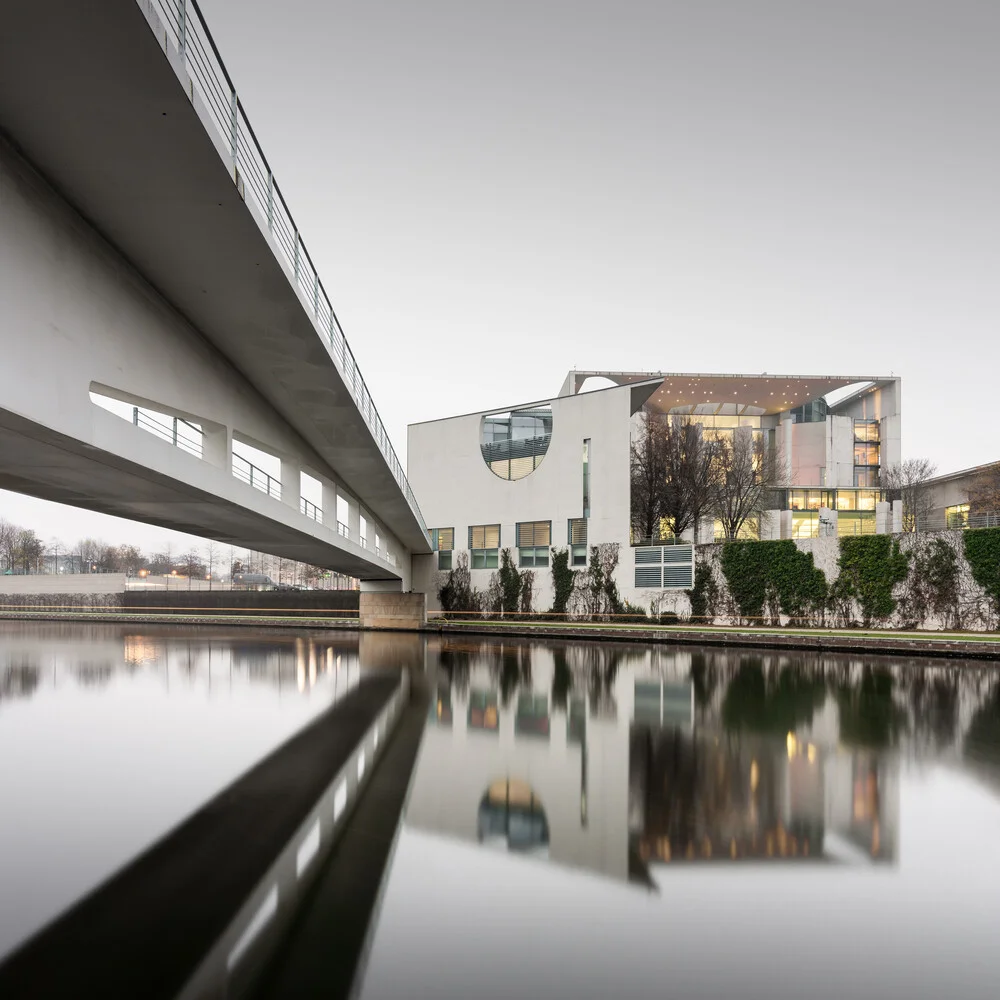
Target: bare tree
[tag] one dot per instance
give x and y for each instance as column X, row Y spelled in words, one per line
column 690, row 474
column 647, row 472
column 745, row 478
column 908, row 482
column 8, row 543
column 984, row 493
column 671, row 475
column 212, row 556
column 90, row 551
column 129, row 560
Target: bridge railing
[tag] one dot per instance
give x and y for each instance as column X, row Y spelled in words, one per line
column 249, row 473
column 186, row 29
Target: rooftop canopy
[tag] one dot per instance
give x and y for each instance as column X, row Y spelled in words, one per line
column 764, row 393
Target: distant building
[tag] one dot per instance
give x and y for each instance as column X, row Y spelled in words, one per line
column 555, row 473
column 950, row 504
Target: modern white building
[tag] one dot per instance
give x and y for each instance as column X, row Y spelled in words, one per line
column 554, row 473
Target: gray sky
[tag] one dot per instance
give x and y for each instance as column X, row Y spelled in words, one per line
column 497, row 192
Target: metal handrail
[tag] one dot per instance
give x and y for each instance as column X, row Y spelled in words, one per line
column 310, row 509
column 173, row 433
column 343, row 530
column 186, row 29
column 249, row 473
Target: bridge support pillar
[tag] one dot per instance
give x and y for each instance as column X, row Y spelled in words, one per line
column 383, row 606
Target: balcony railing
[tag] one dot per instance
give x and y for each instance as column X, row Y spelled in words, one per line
column 248, row 473
column 175, row 430
column 311, row 510
column 185, row 29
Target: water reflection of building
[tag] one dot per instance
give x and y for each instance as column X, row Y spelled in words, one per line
column 613, row 748
column 702, row 795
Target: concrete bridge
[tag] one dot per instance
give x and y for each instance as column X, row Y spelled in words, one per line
column 162, row 322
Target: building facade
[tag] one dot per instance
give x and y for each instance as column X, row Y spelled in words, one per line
column 555, row 473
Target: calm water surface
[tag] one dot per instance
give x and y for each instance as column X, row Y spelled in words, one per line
column 584, row 820
column 628, row 821
column 110, row 736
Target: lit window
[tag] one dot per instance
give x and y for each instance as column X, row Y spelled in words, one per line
column 443, row 542
column 957, row 516
column 484, row 544
column 533, row 541
column 805, row 524
column 514, row 444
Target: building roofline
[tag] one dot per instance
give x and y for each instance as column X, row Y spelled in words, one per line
column 627, row 386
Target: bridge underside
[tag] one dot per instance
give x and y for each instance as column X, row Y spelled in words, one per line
column 40, row 462
column 92, row 101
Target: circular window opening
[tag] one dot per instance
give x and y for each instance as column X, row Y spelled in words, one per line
column 514, row 443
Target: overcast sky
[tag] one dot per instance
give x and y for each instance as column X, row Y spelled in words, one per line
column 497, row 192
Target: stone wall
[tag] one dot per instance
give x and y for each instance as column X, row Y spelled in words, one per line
column 969, row 610
column 63, row 583
column 391, row 610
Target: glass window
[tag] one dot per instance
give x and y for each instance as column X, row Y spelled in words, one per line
column 586, row 477
column 484, row 545
column 537, row 555
column 576, row 531
column 809, row 499
column 866, row 454
column 857, row 499
column 484, row 536
column 534, row 533
column 513, row 444
column 805, row 524
column 866, row 476
column 957, row 516
column 442, row 539
column 866, row 430
column 578, row 555
column 444, row 560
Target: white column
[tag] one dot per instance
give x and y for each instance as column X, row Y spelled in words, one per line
column 883, row 518
column 897, row 516
column 827, row 523
column 785, row 518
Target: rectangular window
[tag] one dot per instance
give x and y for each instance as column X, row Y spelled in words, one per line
column 484, row 544
column 809, row 499
column 534, row 533
column 576, row 537
column 866, row 430
column 857, row 499
column 805, row 524
column 443, row 542
column 957, row 516
column 866, row 454
column 586, row 477
column 866, row 477
column 533, row 541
